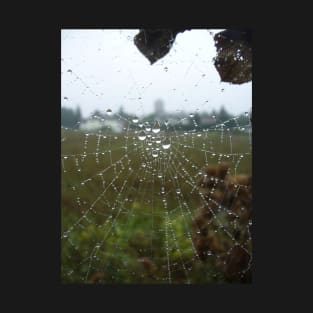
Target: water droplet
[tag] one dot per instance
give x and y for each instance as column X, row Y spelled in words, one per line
column 158, row 140
column 213, row 116
column 143, row 164
column 147, row 127
column 166, row 143
column 178, row 191
column 142, row 135
column 246, row 114
column 135, row 120
column 209, row 253
column 156, row 127
column 109, row 112
column 166, row 123
column 154, row 153
column 191, row 115
column 69, row 71
column 165, row 68
column 65, row 98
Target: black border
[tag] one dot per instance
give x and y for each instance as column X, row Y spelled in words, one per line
column 37, row 245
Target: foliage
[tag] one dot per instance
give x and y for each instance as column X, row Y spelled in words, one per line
column 131, row 250
column 70, row 118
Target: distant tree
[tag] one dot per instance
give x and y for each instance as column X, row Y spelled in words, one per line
column 97, row 113
column 121, row 112
column 70, row 118
column 223, row 115
column 78, row 114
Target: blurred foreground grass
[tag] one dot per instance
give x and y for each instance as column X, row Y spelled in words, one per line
column 116, row 226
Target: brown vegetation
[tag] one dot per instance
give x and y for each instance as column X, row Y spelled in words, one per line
column 231, row 247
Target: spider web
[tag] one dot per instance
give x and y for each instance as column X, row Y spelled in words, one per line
column 149, row 200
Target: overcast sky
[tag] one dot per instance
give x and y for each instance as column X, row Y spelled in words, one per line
column 103, row 69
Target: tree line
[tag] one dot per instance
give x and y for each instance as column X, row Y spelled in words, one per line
column 71, row 118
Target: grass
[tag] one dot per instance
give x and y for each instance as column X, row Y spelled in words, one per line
column 122, row 227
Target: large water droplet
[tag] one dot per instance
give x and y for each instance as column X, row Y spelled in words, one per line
column 166, row 143
column 135, row 120
column 109, row 112
column 156, row 127
column 142, row 135
column 154, row 153
column 191, row 115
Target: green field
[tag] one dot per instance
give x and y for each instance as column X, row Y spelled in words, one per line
column 126, row 215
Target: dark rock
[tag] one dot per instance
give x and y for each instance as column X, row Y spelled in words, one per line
column 154, row 44
column 234, row 51
column 234, row 56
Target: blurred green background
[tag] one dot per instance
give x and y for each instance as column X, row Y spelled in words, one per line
column 126, row 216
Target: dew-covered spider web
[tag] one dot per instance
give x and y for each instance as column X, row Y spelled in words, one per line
column 156, row 168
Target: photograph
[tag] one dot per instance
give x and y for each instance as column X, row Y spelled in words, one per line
column 156, row 156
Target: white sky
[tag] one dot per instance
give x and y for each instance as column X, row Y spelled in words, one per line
column 108, row 71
